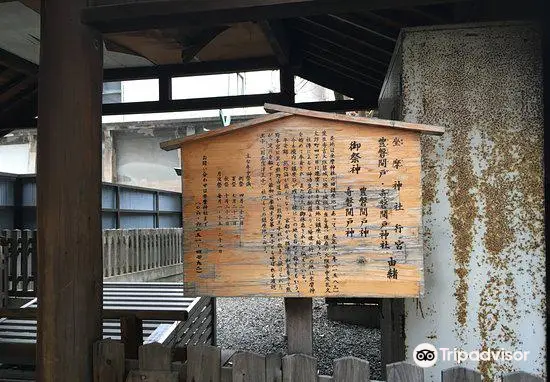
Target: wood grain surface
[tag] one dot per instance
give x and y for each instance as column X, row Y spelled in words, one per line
column 266, row 215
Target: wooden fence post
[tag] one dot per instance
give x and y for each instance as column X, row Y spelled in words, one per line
column 108, row 361
column 392, row 331
column 460, row 374
column 351, row 369
column 404, row 372
column 203, row 363
column 131, row 335
column 3, row 271
column 521, row 376
column 299, row 324
column 248, row 367
column 299, row 368
column 155, row 364
column 273, row 368
column 226, row 374
column 25, row 254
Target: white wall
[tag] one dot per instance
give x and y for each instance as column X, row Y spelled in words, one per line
column 15, row 159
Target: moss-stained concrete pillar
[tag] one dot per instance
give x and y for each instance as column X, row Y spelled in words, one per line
column 483, row 201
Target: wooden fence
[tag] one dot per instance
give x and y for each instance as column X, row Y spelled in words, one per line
column 125, row 251
column 132, row 250
column 205, row 364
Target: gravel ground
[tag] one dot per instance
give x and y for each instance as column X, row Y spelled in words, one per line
column 257, row 325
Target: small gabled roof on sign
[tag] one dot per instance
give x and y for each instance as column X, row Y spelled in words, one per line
column 286, row 111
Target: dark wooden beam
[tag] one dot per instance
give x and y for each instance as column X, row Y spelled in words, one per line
column 15, row 88
column 383, row 54
column 392, row 328
column 121, row 16
column 357, row 23
column 211, row 103
column 277, row 36
column 190, row 69
column 68, row 184
column 346, row 58
column 17, row 63
column 327, row 40
column 341, row 105
column 287, row 86
column 343, row 72
column 350, row 71
column 343, row 85
column 199, row 41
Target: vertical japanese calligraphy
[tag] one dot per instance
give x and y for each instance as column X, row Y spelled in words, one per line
column 303, row 207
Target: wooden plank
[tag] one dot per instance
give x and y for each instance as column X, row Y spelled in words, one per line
column 108, row 361
column 299, row 325
column 339, row 105
column 25, row 254
column 155, row 357
column 68, row 185
column 176, row 143
column 131, row 335
column 460, row 374
column 273, row 367
column 299, row 368
column 521, row 376
column 17, row 63
column 190, row 69
column 308, row 109
column 372, row 218
column 404, row 372
column 324, row 378
column 248, row 367
column 190, row 104
column 14, row 259
column 428, row 129
column 351, row 369
column 277, row 36
column 203, row 363
column 392, row 332
column 286, row 80
column 119, row 16
column 226, row 374
column 152, row 376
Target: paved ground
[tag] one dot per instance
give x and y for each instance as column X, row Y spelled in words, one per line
column 257, row 324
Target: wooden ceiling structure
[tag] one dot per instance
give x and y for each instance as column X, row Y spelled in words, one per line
column 345, row 46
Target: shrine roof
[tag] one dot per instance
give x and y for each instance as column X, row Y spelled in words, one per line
column 280, row 112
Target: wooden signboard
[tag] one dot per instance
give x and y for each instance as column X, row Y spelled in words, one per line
column 303, row 204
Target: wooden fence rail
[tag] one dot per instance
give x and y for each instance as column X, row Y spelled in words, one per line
column 124, row 251
column 204, row 364
column 133, row 250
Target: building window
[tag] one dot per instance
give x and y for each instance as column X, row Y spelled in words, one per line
column 112, row 92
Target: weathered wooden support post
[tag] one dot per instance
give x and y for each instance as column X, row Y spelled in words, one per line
column 68, row 193
column 299, row 324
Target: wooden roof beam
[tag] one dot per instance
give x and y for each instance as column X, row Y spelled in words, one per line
column 277, row 36
column 190, row 69
column 121, row 16
column 17, row 63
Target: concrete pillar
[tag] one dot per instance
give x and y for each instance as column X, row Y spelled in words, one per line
column 483, row 201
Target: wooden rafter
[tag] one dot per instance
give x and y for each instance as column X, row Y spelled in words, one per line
column 119, row 15
column 278, row 39
column 190, row 69
column 17, row 63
